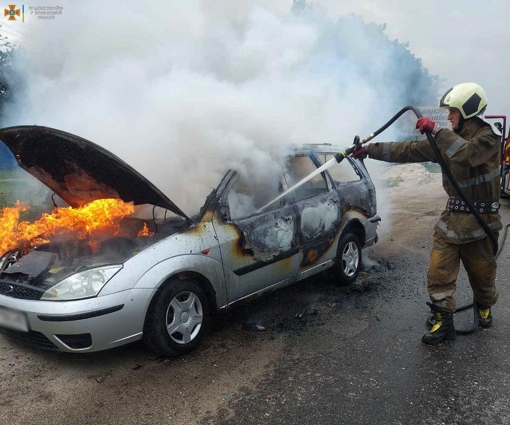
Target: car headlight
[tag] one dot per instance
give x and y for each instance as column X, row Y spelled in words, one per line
column 85, row 284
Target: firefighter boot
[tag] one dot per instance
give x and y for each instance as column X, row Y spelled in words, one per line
column 443, row 328
column 484, row 316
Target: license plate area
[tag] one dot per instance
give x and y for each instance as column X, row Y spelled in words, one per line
column 12, row 319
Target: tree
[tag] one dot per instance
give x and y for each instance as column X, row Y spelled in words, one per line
column 10, row 85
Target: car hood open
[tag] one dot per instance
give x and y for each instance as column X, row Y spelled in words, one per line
column 80, row 171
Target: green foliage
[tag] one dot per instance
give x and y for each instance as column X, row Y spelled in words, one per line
column 10, row 81
column 8, row 190
column 10, row 86
column 14, row 188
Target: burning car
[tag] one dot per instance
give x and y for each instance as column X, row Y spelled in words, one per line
column 92, row 275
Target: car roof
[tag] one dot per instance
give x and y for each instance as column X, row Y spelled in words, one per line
column 319, row 148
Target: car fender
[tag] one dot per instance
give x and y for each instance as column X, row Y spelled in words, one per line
column 210, row 268
column 350, row 217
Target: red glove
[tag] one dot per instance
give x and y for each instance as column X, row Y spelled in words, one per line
column 361, row 153
column 425, row 124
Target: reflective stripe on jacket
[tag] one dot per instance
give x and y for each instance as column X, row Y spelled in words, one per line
column 474, row 158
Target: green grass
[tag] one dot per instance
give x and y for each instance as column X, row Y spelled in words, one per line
column 38, row 197
column 9, row 191
column 15, row 173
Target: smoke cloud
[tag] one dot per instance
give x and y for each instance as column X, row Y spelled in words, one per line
column 183, row 91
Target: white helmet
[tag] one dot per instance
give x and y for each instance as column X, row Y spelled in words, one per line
column 468, row 98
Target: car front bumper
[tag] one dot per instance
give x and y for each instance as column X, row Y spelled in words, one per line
column 88, row 325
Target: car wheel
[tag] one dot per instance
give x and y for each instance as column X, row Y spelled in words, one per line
column 348, row 259
column 178, row 318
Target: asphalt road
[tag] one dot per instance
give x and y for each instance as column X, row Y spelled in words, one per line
column 353, row 357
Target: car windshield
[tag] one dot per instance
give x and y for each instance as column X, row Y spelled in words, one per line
column 246, row 195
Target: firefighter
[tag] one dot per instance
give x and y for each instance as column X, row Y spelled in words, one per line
column 472, row 152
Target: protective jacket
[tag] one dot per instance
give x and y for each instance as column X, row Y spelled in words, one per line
column 474, row 158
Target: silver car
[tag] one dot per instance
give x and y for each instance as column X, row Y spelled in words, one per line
column 165, row 288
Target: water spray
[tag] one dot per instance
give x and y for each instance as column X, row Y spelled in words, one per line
column 339, row 157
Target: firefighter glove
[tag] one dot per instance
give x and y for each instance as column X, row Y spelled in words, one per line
column 361, row 153
column 425, row 124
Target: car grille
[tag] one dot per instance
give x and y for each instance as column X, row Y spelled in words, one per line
column 32, row 338
column 24, row 292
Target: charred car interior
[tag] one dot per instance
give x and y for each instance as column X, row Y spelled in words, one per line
column 93, row 274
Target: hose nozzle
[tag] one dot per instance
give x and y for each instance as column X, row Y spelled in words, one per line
column 355, row 146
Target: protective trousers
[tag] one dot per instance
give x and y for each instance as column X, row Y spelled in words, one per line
column 478, row 260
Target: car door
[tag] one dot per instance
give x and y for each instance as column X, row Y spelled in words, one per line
column 356, row 192
column 318, row 212
column 259, row 249
column 353, row 183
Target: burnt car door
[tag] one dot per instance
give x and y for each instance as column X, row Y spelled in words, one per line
column 258, row 249
column 318, row 212
column 353, row 183
column 355, row 190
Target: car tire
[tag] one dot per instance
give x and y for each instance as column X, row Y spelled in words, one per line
column 348, row 259
column 178, row 318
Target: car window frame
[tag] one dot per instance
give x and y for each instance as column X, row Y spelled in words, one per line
column 326, row 176
column 351, row 161
column 224, row 205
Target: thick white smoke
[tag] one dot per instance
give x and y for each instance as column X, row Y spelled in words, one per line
column 182, row 91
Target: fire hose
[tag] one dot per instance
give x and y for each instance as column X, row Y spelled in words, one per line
column 453, row 182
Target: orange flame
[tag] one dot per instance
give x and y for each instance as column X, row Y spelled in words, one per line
column 145, row 231
column 93, row 219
